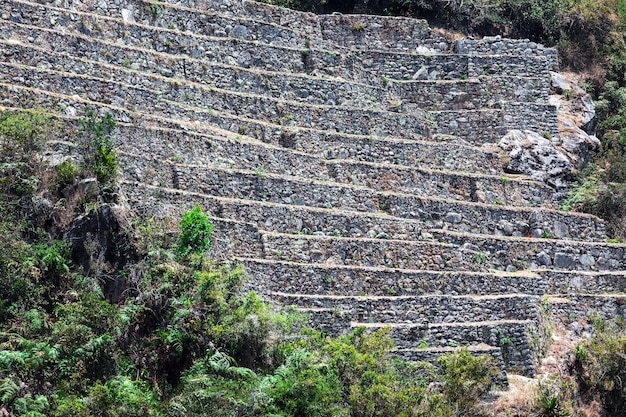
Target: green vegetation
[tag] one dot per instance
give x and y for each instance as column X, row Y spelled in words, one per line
column 600, row 367
column 196, row 233
column 99, row 149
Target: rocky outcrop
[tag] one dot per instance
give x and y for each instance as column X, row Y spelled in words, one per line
column 577, row 119
column 553, row 159
column 537, row 156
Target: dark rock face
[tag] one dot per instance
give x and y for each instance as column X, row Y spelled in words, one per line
column 102, row 248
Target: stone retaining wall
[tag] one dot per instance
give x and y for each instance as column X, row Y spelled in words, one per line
column 269, row 276
column 428, row 214
column 407, row 309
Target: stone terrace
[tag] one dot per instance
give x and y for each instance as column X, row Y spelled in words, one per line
column 348, row 161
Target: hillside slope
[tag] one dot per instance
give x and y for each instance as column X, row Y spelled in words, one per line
column 348, row 161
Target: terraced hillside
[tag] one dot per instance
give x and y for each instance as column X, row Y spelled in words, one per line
column 348, row 161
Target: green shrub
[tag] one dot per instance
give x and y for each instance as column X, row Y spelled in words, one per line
column 67, row 173
column 195, row 237
column 21, row 134
column 99, row 152
column 54, row 257
column 550, row 404
column 17, row 278
column 585, row 191
column 466, row 378
column 600, row 367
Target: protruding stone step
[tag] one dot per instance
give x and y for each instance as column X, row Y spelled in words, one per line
column 485, row 91
column 512, row 253
column 490, row 125
column 411, row 335
column 530, row 252
column 589, row 307
column 367, row 252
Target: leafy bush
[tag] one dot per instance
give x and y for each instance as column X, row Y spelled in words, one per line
column 197, row 230
column 54, row 257
column 118, row 397
column 21, row 133
column 466, row 378
column 17, row 276
column 600, row 366
column 21, row 136
column 67, row 172
column 99, row 152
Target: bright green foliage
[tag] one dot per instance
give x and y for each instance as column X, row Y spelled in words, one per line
column 17, row 275
column 305, row 385
column 67, row 173
column 352, row 375
column 99, row 151
column 585, row 190
column 118, row 397
column 188, row 342
column 54, row 257
column 533, row 18
column 21, row 133
column 196, row 233
column 550, row 403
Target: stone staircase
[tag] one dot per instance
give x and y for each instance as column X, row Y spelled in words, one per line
column 348, row 161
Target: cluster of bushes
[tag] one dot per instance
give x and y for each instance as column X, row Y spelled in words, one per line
column 186, row 341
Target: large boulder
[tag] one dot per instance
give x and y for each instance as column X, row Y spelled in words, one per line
column 537, row 156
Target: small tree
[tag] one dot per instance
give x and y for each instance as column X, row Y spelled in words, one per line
column 98, row 147
column 196, row 233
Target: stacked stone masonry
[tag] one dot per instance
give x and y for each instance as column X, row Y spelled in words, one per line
column 348, row 161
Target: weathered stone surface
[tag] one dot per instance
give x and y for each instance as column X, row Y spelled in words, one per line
column 563, row 260
column 532, row 154
column 577, row 119
column 559, row 83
